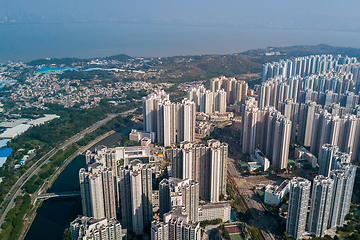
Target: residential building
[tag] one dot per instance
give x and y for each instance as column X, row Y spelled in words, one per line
column 175, row 226
column 179, row 192
column 206, row 164
column 321, row 197
column 298, row 207
column 344, row 177
column 98, row 191
column 135, row 182
column 87, row 228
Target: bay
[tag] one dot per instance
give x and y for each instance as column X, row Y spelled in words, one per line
column 26, row 42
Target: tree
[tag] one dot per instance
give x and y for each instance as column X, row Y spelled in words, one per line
column 354, row 236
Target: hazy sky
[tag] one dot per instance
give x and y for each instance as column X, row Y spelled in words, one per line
column 276, row 13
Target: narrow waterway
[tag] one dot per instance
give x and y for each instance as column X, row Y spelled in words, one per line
column 54, row 215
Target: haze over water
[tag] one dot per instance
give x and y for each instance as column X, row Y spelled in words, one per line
column 78, row 28
column 25, row 42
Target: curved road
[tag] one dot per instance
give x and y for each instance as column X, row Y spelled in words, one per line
column 16, row 190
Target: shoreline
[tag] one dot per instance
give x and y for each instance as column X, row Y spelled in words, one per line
column 33, row 212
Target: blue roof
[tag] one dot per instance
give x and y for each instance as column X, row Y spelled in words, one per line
column 5, row 152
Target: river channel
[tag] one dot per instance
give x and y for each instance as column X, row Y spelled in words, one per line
column 54, row 215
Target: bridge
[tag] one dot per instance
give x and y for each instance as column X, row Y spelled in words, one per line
column 56, row 195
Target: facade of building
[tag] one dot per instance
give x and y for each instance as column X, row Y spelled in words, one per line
column 150, row 108
column 344, row 177
column 330, row 155
column 267, row 130
column 135, row 182
column 179, row 192
column 215, row 211
column 206, row 164
column 298, row 206
column 320, row 205
column 303, row 153
column 175, row 226
column 235, row 90
column 274, row 194
column 98, row 191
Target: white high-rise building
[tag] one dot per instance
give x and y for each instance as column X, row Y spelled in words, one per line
column 329, row 161
column 281, row 142
column 326, row 129
column 196, row 95
column 186, row 131
column 326, row 161
column 250, row 120
column 175, row 226
column 150, row 107
column 320, row 205
column 98, row 191
column 298, row 206
column 206, row 164
column 344, row 177
column 241, row 91
column 178, row 192
column 209, row 102
column 135, row 182
column 175, row 122
column 220, row 101
column 87, row 228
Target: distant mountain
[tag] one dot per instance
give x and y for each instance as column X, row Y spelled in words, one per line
column 66, row 61
column 304, row 50
column 69, row 61
column 119, row 57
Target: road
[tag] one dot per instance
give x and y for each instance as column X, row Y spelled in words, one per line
column 16, row 190
column 259, row 218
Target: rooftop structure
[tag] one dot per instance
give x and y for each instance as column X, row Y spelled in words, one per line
column 15, row 131
column 274, row 193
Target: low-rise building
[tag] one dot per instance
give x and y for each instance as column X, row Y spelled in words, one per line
column 253, row 166
column 302, row 164
column 274, row 193
column 221, row 117
column 220, row 210
column 137, row 135
column 303, row 153
column 145, row 142
column 15, row 131
column 203, row 129
column 259, row 157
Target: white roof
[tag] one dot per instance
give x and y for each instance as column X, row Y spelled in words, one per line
column 13, row 132
column 42, row 120
column 2, row 161
column 14, row 123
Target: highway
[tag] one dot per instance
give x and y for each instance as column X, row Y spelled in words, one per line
column 16, row 190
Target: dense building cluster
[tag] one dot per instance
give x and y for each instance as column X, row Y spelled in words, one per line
column 330, row 200
column 172, row 122
column 318, row 95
